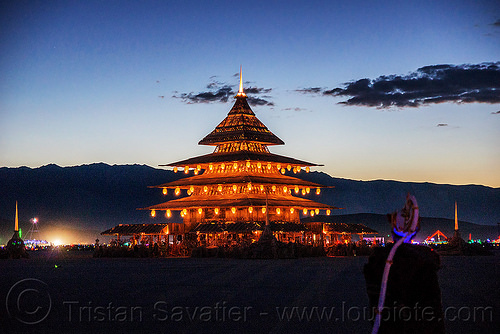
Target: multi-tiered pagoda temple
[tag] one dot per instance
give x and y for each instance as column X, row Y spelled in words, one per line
column 241, row 187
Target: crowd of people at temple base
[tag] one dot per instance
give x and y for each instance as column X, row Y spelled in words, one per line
column 200, row 247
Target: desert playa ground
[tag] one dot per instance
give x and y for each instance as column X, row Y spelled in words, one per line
column 72, row 292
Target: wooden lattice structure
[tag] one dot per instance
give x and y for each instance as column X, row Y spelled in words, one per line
column 240, row 187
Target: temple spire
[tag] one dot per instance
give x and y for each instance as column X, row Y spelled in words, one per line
column 16, row 228
column 456, row 217
column 240, row 90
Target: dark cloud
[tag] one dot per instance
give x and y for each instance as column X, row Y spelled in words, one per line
column 310, row 90
column 442, row 124
column 222, row 92
column 428, row 85
column 496, row 23
column 496, row 113
column 294, row 109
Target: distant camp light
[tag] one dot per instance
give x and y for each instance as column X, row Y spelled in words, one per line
column 153, row 213
column 175, row 169
column 318, row 191
column 165, row 191
column 328, row 212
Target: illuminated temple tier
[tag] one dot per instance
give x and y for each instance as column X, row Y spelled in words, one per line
column 241, row 186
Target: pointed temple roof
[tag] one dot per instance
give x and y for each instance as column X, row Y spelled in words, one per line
column 241, row 124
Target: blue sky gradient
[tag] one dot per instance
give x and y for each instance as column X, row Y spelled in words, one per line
column 92, row 81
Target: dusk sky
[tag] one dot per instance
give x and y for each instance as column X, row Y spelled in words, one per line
column 399, row 90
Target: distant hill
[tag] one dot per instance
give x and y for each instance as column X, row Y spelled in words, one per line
column 98, row 196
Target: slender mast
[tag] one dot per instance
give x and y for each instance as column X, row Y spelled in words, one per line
column 456, row 217
column 240, row 90
column 16, row 228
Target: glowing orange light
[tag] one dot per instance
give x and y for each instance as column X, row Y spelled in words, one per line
column 278, row 211
column 198, row 167
column 268, row 165
column 259, row 165
column 308, row 190
column 191, row 189
column 216, row 210
column 312, row 213
column 211, row 167
column 278, row 166
column 200, row 211
column 248, row 164
column 318, row 191
column 264, row 210
column 175, row 169
column 297, row 189
column 273, row 188
column 177, row 191
column 292, row 210
column 283, row 170
column 235, row 187
column 261, row 187
column 328, row 212
column 153, row 213
column 289, row 167
column 233, row 210
column 308, row 169
column 186, row 169
column 285, row 189
column 250, row 209
column 184, row 211
column 304, row 211
column 295, row 170
column 168, row 213
column 303, row 191
column 223, row 166
column 316, row 211
column 196, row 172
column 249, row 185
column 235, row 165
column 219, row 188
column 165, row 191
column 205, row 188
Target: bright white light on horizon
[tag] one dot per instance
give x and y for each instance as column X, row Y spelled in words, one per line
column 57, row 242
